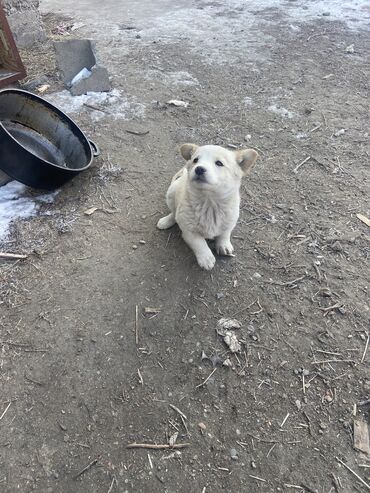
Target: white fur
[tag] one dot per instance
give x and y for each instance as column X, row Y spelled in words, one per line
column 207, row 206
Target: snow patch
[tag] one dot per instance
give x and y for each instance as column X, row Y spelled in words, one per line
column 112, row 103
column 211, row 29
column 283, row 112
column 16, row 204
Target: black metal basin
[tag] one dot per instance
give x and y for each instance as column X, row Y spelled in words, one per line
column 40, row 146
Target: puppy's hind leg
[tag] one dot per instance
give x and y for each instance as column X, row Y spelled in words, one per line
column 166, row 222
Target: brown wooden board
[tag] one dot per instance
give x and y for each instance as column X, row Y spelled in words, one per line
column 11, row 66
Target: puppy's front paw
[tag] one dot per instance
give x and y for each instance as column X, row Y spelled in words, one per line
column 224, row 248
column 166, row 222
column 206, row 260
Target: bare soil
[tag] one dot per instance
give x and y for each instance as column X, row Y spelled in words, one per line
column 77, row 387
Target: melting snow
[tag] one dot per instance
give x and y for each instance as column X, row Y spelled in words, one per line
column 112, row 103
column 16, row 204
column 283, row 112
column 244, row 22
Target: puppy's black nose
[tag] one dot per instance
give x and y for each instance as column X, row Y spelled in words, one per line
column 199, row 170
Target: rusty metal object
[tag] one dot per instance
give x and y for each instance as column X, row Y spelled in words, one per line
column 11, row 66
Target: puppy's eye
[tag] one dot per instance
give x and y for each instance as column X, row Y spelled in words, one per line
column 219, row 163
column 195, row 160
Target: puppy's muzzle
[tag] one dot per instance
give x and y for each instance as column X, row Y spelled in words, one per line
column 199, row 170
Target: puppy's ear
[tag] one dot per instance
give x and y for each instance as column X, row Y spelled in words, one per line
column 246, row 158
column 187, row 150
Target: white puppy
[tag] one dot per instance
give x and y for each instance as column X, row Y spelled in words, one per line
column 204, row 198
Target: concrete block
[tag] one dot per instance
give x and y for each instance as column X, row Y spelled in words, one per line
column 26, row 27
column 72, row 56
column 97, row 82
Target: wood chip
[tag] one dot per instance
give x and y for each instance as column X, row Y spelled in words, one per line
column 173, row 438
column 12, row 256
column 361, row 436
column 364, row 219
column 151, row 311
column 90, row 211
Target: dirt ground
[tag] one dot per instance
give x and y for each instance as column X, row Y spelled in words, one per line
column 76, row 387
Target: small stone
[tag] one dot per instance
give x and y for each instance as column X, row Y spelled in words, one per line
column 219, row 296
column 253, row 465
column 142, row 242
column 202, row 426
column 350, row 49
column 234, row 454
column 336, row 246
column 322, row 425
column 247, row 137
column 340, row 132
column 257, row 275
column 305, row 373
column 298, row 404
column 328, row 398
column 134, row 247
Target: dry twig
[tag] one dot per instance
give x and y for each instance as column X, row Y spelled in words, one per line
column 354, row 473
column 86, row 468
column 136, row 324
column 158, row 446
column 6, row 410
column 365, row 350
column 301, row 164
column 206, row 380
column 178, row 411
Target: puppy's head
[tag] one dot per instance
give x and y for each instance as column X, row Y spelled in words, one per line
column 215, row 168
